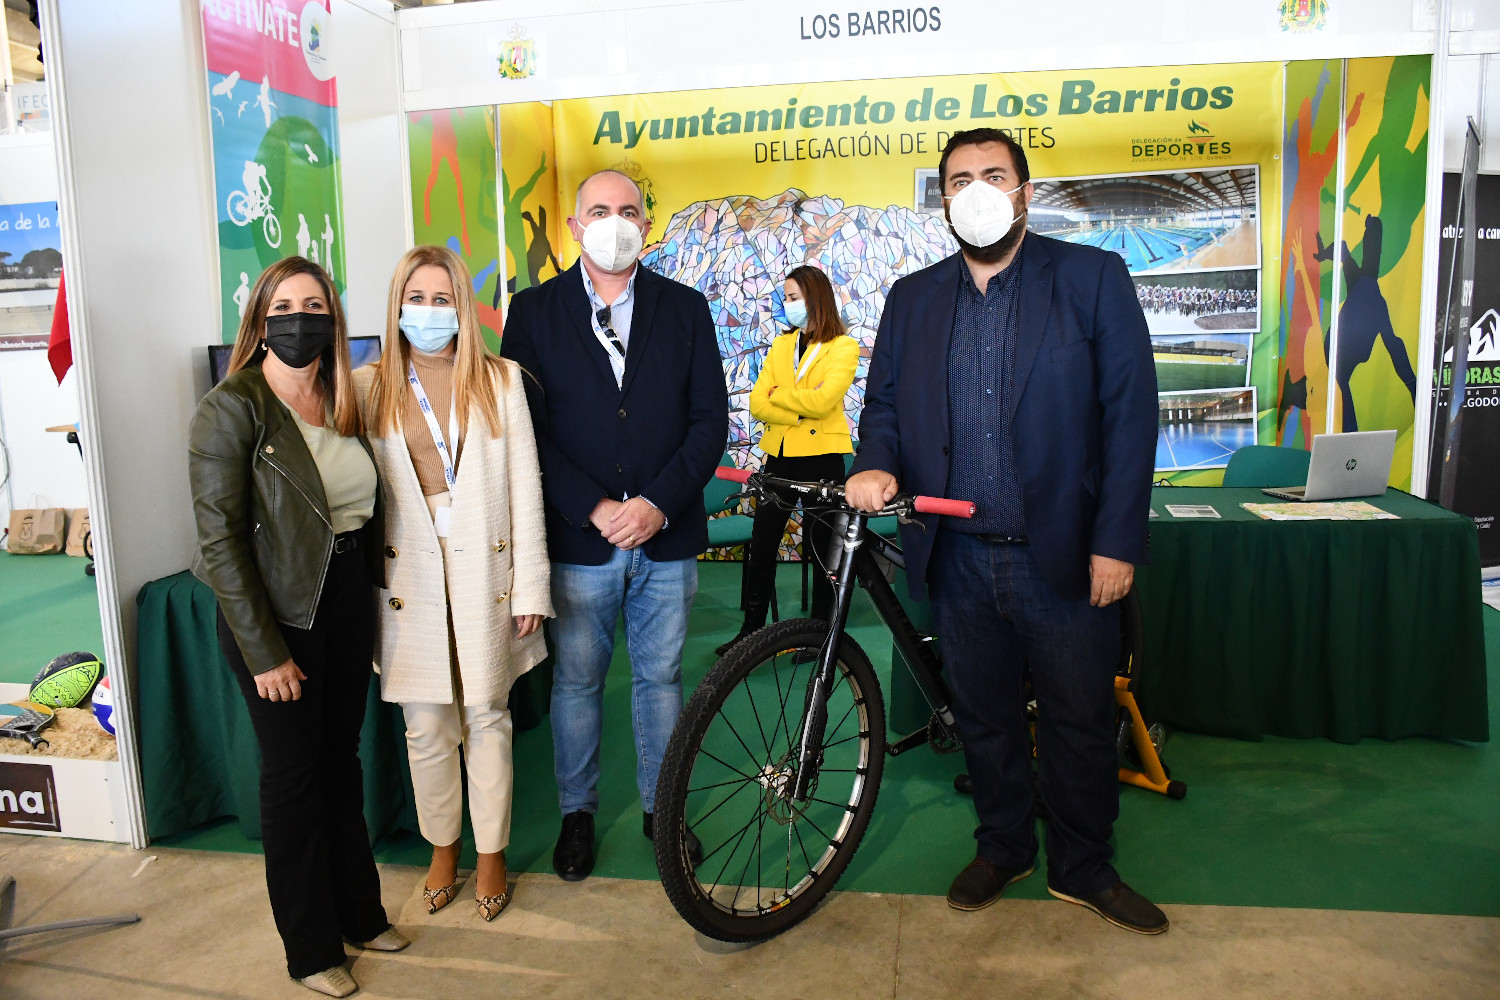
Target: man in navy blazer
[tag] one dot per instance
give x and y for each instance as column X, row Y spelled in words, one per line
column 1018, row 374
column 631, row 415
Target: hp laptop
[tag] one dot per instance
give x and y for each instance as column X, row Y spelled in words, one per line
column 1357, row 464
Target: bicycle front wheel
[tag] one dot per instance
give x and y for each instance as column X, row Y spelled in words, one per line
column 729, row 774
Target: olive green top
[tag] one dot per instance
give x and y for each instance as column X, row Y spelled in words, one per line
column 347, row 472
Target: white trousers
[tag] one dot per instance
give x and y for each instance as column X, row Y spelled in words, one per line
column 435, row 734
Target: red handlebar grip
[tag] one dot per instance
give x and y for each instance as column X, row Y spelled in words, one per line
column 732, row 474
column 937, row 505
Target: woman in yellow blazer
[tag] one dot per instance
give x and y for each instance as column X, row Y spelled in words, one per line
column 800, row 396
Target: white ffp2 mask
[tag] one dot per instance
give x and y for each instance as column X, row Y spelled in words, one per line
column 612, row 242
column 982, row 214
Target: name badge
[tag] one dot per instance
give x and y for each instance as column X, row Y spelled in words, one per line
column 440, row 518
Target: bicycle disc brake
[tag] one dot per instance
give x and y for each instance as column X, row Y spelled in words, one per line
column 778, row 780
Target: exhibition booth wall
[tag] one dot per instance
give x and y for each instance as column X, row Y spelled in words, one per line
column 465, row 124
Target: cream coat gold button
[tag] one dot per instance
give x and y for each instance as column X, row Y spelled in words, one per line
column 395, row 603
column 504, row 595
column 390, row 552
column 500, row 545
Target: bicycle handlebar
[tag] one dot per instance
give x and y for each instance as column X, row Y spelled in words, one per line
column 937, row 505
column 921, row 504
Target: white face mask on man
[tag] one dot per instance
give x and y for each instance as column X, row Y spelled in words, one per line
column 982, row 214
column 612, row 243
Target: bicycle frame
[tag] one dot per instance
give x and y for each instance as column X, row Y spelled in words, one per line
column 857, row 548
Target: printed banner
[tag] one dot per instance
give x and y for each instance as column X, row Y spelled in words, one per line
column 453, row 197
column 1173, row 168
column 1314, row 101
column 273, row 118
column 30, row 269
column 1379, row 313
column 1477, row 492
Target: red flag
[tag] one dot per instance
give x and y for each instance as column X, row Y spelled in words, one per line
column 59, row 345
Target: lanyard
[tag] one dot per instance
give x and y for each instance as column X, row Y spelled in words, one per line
column 612, row 347
column 805, row 362
column 432, row 425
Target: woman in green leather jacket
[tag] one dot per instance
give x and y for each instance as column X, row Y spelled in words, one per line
column 289, row 538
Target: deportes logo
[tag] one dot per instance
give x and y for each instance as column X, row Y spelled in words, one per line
column 315, row 22
column 1197, row 143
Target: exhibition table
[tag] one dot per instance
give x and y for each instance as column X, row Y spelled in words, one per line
column 199, row 759
column 1339, row 629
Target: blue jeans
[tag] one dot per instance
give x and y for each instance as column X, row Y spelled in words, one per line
column 999, row 621
column 656, row 598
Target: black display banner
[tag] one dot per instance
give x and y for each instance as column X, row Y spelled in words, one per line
column 28, row 797
column 1476, row 476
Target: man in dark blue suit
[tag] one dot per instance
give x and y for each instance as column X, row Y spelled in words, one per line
column 1018, row 374
column 631, row 416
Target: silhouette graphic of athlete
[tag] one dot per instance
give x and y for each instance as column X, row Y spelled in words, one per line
column 445, row 150
column 1363, row 318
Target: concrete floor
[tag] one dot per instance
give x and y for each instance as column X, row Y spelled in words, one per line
column 206, row 931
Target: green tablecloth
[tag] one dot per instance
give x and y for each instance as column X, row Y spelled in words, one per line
column 199, row 760
column 1341, row 629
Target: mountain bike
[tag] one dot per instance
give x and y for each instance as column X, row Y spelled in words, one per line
column 776, row 760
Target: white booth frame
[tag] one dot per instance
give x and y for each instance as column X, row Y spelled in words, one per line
column 136, row 461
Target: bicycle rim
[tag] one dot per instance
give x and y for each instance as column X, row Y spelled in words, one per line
column 728, row 775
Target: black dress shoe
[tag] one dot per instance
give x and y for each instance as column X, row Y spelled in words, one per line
column 1123, row 907
column 981, row 883
column 745, row 630
column 573, row 859
column 694, row 845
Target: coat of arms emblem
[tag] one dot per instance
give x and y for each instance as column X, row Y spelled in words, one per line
column 517, row 56
column 1302, row 15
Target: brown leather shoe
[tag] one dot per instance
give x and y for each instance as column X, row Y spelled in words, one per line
column 981, row 883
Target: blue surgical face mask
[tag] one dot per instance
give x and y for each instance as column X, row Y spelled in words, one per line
column 796, row 312
column 429, row 328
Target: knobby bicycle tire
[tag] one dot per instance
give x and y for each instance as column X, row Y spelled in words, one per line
column 739, row 733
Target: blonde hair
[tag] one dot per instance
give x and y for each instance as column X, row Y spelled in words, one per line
column 338, row 382
column 474, row 368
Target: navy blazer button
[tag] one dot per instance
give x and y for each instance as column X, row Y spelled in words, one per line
column 619, row 467
column 945, row 449
column 622, row 413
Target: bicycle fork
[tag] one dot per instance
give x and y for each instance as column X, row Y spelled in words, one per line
column 815, row 719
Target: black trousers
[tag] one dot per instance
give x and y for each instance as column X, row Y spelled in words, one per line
column 319, row 867
column 770, row 524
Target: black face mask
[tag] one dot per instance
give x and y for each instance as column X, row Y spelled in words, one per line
column 299, row 339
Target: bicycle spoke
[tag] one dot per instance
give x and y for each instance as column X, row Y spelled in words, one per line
column 705, row 816
column 765, row 743
column 784, row 722
column 841, row 806
column 716, row 760
column 748, row 752
column 723, row 784
column 730, row 856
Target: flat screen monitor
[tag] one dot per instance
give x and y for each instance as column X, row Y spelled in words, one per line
column 362, row 351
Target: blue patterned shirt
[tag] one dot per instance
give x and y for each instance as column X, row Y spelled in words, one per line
column 981, row 364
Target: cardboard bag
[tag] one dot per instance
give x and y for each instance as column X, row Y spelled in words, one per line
column 78, row 530
column 37, row 532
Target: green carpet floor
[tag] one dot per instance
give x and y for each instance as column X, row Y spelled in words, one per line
column 1409, row 826
column 48, row 606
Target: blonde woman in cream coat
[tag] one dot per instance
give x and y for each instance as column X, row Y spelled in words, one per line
column 468, row 580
